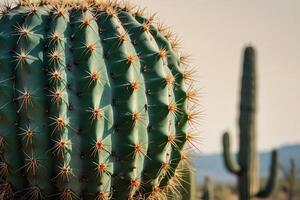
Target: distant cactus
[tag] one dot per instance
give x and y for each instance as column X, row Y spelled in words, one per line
column 96, row 102
column 290, row 176
column 247, row 167
column 188, row 185
column 208, row 189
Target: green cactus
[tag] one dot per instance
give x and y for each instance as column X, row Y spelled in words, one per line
column 208, row 189
column 94, row 103
column 189, row 187
column 290, row 178
column 247, row 167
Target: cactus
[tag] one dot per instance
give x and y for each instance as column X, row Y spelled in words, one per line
column 208, row 189
column 189, row 186
column 247, row 167
column 96, row 102
column 290, row 176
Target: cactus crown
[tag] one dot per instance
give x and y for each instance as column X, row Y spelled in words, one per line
column 96, row 102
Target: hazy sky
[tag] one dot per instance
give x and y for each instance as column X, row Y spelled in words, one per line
column 215, row 32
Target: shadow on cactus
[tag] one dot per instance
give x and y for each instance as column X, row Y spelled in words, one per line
column 247, row 167
column 96, row 103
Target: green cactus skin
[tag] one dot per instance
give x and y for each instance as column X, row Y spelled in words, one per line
column 208, row 189
column 95, row 103
column 247, row 167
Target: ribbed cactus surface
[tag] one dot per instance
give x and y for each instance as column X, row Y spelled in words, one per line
column 93, row 103
column 246, row 169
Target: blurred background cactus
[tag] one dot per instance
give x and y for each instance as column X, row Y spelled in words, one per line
column 189, row 185
column 290, row 175
column 208, row 189
column 246, row 169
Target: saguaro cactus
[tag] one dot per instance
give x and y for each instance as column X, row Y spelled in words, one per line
column 290, row 178
column 189, row 183
column 95, row 102
column 208, row 189
column 247, row 167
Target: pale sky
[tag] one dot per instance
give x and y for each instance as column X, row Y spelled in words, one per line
column 215, row 32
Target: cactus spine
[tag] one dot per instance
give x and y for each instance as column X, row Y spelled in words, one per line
column 95, row 103
column 247, row 167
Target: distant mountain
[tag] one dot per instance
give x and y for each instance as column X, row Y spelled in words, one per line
column 213, row 164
